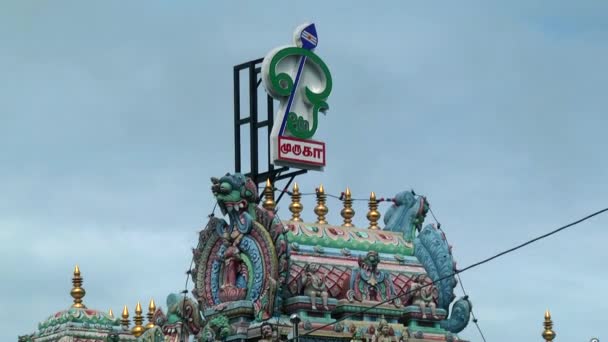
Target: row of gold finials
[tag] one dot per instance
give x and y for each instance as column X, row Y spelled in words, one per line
column 321, row 209
column 78, row 293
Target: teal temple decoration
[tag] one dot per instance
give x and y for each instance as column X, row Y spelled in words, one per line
column 252, row 269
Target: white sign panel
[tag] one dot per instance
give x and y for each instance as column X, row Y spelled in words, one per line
column 301, row 82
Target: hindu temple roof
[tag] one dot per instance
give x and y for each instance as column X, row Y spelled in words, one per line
column 78, row 315
column 83, row 321
column 82, row 316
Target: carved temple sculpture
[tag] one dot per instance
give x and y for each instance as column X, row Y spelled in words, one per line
column 253, row 269
column 314, row 286
column 252, row 272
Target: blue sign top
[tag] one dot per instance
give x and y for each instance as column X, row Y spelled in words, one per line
column 309, row 38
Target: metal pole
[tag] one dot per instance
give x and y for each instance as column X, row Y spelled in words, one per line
column 253, row 124
column 237, row 119
column 295, row 320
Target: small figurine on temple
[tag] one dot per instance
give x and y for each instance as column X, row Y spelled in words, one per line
column 423, row 294
column 383, row 334
column 234, row 271
column 314, row 285
column 266, row 332
column 357, row 336
column 232, row 261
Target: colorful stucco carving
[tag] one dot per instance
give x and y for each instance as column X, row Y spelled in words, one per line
column 252, row 272
column 322, row 272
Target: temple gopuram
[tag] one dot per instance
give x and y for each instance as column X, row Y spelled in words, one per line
column 255, row 277
column 261, row 279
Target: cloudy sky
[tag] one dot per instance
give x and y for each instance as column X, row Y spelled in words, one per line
column 114, row 114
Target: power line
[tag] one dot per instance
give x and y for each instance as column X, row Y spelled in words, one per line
column 189, row 273
column 479, row 263
column 340, row 197
column 475, row 321
column 472, row 313
column 434, row 217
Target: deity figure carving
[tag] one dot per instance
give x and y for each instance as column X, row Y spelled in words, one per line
column 384, row 332
column 314, row 286
column 235, row 272
column 233, row 263
column 234, row 193
column 371, row 284
column 265, row 332
column 218, row 329
column 424, row 294
column 242, row 257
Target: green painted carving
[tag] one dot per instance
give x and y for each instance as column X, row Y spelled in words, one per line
column 183, row 310
column 151, row 335
column 370, row 283
column 264, row 305
column 112, row 338
column 217, row 329
column 282, row 84
column 85, row 316
column 407, row 214
column 350, row 245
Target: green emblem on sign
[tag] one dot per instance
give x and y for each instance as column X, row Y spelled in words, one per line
column 283, row 85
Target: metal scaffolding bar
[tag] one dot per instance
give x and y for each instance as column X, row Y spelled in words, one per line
column 253, row 69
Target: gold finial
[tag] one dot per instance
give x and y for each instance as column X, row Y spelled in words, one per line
column 296, row 207
column 125, row 318
column 138, row 329
column 348, row 212
column 548, row 334
column 373, row 215
column 269, row 203
column 111, row 313
column 321, row 209
column 151, row 310
column 77, row 291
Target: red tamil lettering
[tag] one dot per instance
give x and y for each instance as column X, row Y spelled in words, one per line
column 297, row 150
column 307, row 151
column 317, row 152
column 285, row 148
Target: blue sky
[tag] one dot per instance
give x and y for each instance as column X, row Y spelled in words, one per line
column 113, row 116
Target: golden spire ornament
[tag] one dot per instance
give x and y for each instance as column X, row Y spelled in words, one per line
column 348, row 212
column 77, row 291
column 321, row 209
column 548, row 334
column 373, row 215
column 138, row 329
column 111, row 313
column 269, row 203
column 125, row 318
column 151, row 310
column 296, row 207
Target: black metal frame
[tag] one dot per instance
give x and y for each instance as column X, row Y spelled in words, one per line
column 274, row 174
